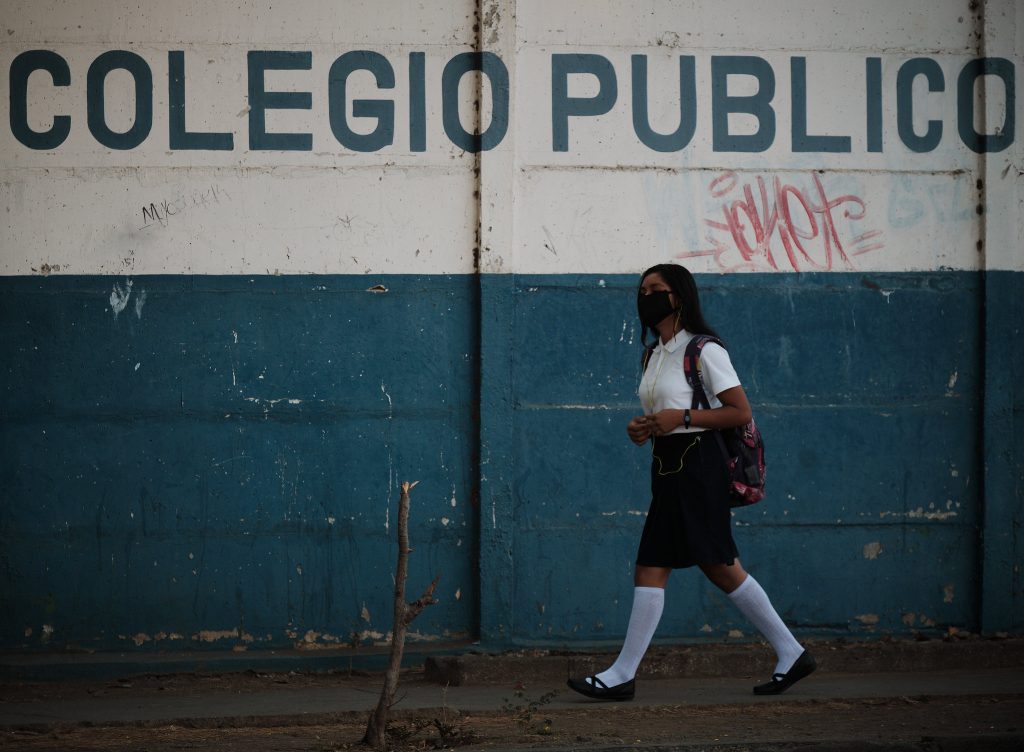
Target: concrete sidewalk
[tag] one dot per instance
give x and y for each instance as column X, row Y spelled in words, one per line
column 285, row 704
column 981, row 681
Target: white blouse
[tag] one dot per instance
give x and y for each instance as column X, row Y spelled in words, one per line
column 664, row 386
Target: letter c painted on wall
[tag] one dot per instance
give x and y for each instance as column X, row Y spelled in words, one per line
column 21, row 68
column 918, row 66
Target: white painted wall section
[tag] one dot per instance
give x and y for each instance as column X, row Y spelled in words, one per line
column 607, row 202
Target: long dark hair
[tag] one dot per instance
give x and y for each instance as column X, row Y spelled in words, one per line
column 684, row 287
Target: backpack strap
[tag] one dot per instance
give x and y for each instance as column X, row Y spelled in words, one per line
column 692, row 371
column 695, row 378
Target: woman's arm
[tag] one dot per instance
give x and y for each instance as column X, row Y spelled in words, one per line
column 735, row 411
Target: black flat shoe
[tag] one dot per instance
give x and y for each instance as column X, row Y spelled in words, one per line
column 804, row 666
column 601, row 691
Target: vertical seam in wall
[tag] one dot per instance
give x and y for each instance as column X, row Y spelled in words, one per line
column 478, row 192
column 981, row 187
column 477, row 387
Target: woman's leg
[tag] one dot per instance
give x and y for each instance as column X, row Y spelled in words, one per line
column 651, row 576
column 753, row 603
column 726, row 577
column 648, row 603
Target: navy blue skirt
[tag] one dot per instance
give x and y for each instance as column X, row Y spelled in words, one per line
column 690, row 520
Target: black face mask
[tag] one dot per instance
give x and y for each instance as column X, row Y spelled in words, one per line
column 653, row 308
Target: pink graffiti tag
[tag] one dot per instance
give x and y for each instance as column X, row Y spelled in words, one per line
column 784, row 223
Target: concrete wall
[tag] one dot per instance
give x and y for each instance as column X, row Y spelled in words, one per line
column 257, row 270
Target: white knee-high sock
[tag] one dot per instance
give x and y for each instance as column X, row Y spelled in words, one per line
column 648, row 603
column 753, row 603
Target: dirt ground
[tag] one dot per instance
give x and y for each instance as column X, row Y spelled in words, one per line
column 521, row 725
column 875, row 721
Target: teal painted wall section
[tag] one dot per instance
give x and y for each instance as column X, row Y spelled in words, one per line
column 1003, row 594
column 868, row 391
column 219, row 464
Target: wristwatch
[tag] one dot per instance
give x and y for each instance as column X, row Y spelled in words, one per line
column 686, row 418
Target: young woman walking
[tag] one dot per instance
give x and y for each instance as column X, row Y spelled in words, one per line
column 689, row 521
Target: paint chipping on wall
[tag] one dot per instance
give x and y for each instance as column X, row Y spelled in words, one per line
column 119, row 297
column 948, row 593
column 213, row 635
column 378, row 638
column 271, row 402
column 951, row 383
column 313, row 640
column 922, row 514
column 872, row 550
column 140, row 301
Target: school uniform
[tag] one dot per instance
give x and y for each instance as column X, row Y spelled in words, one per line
column 689, row 521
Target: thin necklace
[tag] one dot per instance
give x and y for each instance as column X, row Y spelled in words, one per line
column 654, row 381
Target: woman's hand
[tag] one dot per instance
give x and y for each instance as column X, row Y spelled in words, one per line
column 665, row 421
column 639, row 429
